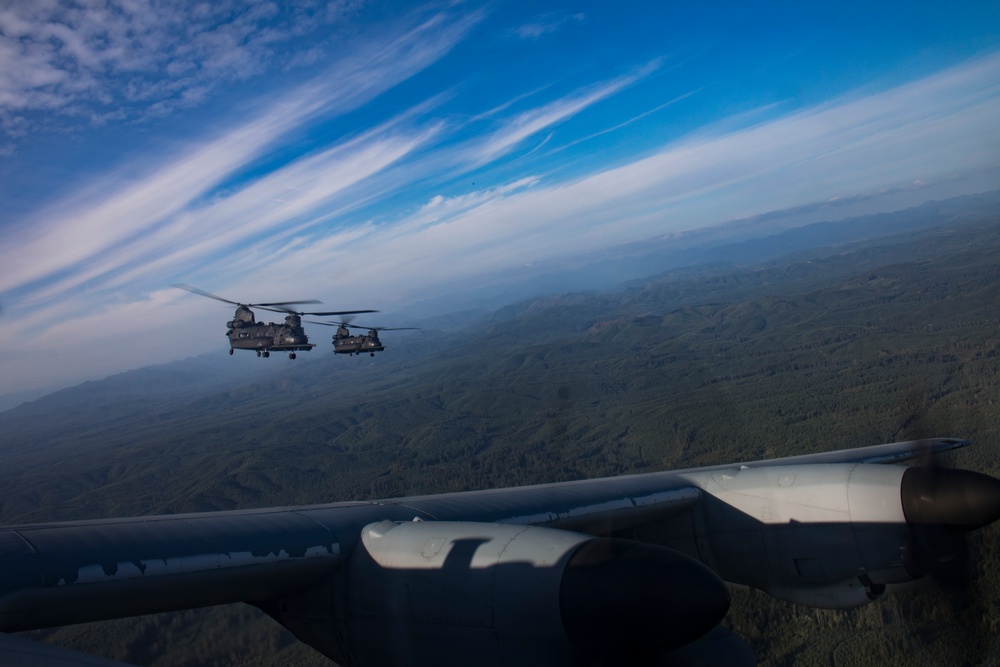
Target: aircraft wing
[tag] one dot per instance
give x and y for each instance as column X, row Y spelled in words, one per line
column 616, row 569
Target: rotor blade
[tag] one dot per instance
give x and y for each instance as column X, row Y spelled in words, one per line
column 282, row 303
column 360, row 326
column 345, row 323
column 195, row 290
column 191, row 288
column 340, row 312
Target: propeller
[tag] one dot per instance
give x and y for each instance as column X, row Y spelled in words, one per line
column 195, row 290
column 941, row 506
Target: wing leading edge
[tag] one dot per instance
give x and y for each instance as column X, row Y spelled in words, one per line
column 895, row 452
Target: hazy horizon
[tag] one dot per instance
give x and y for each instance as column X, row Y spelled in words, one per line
column 616, row 267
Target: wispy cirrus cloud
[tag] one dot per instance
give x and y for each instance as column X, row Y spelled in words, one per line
column 135, row 58
column 289, row 218
column 529, row 123
column 546, row 24
column 119, row 216
column 929, row 129
column 271, row 210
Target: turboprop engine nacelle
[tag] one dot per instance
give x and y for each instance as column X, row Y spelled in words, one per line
column 440, row 593
column 837, row 535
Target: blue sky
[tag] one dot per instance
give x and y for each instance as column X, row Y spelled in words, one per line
column 370, row 154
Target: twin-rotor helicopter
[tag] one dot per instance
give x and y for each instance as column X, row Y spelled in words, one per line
column 345, row 343
column 246, row 333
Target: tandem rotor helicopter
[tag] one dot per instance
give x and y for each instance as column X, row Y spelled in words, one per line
column 345, row 343
column 246, row 333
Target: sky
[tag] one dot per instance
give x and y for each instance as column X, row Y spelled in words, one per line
column 374, row 154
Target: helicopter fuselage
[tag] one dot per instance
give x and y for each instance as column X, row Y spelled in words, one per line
column 346, row 344
column 268, row 337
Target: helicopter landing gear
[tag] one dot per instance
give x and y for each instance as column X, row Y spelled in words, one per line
column 371, row 354
column 230, row 351
column 266, row 354
column 258, row 353
column 291, row 355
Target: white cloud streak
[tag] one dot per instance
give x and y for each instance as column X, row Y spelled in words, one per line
column 929, row 129
column 530, row 123
column 102, row 220
column 309, row 187
column 547, row 24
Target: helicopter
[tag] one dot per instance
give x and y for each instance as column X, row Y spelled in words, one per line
column 246, row 333
column 345, row 343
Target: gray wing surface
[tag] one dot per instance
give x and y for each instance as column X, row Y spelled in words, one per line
column 895, row 452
